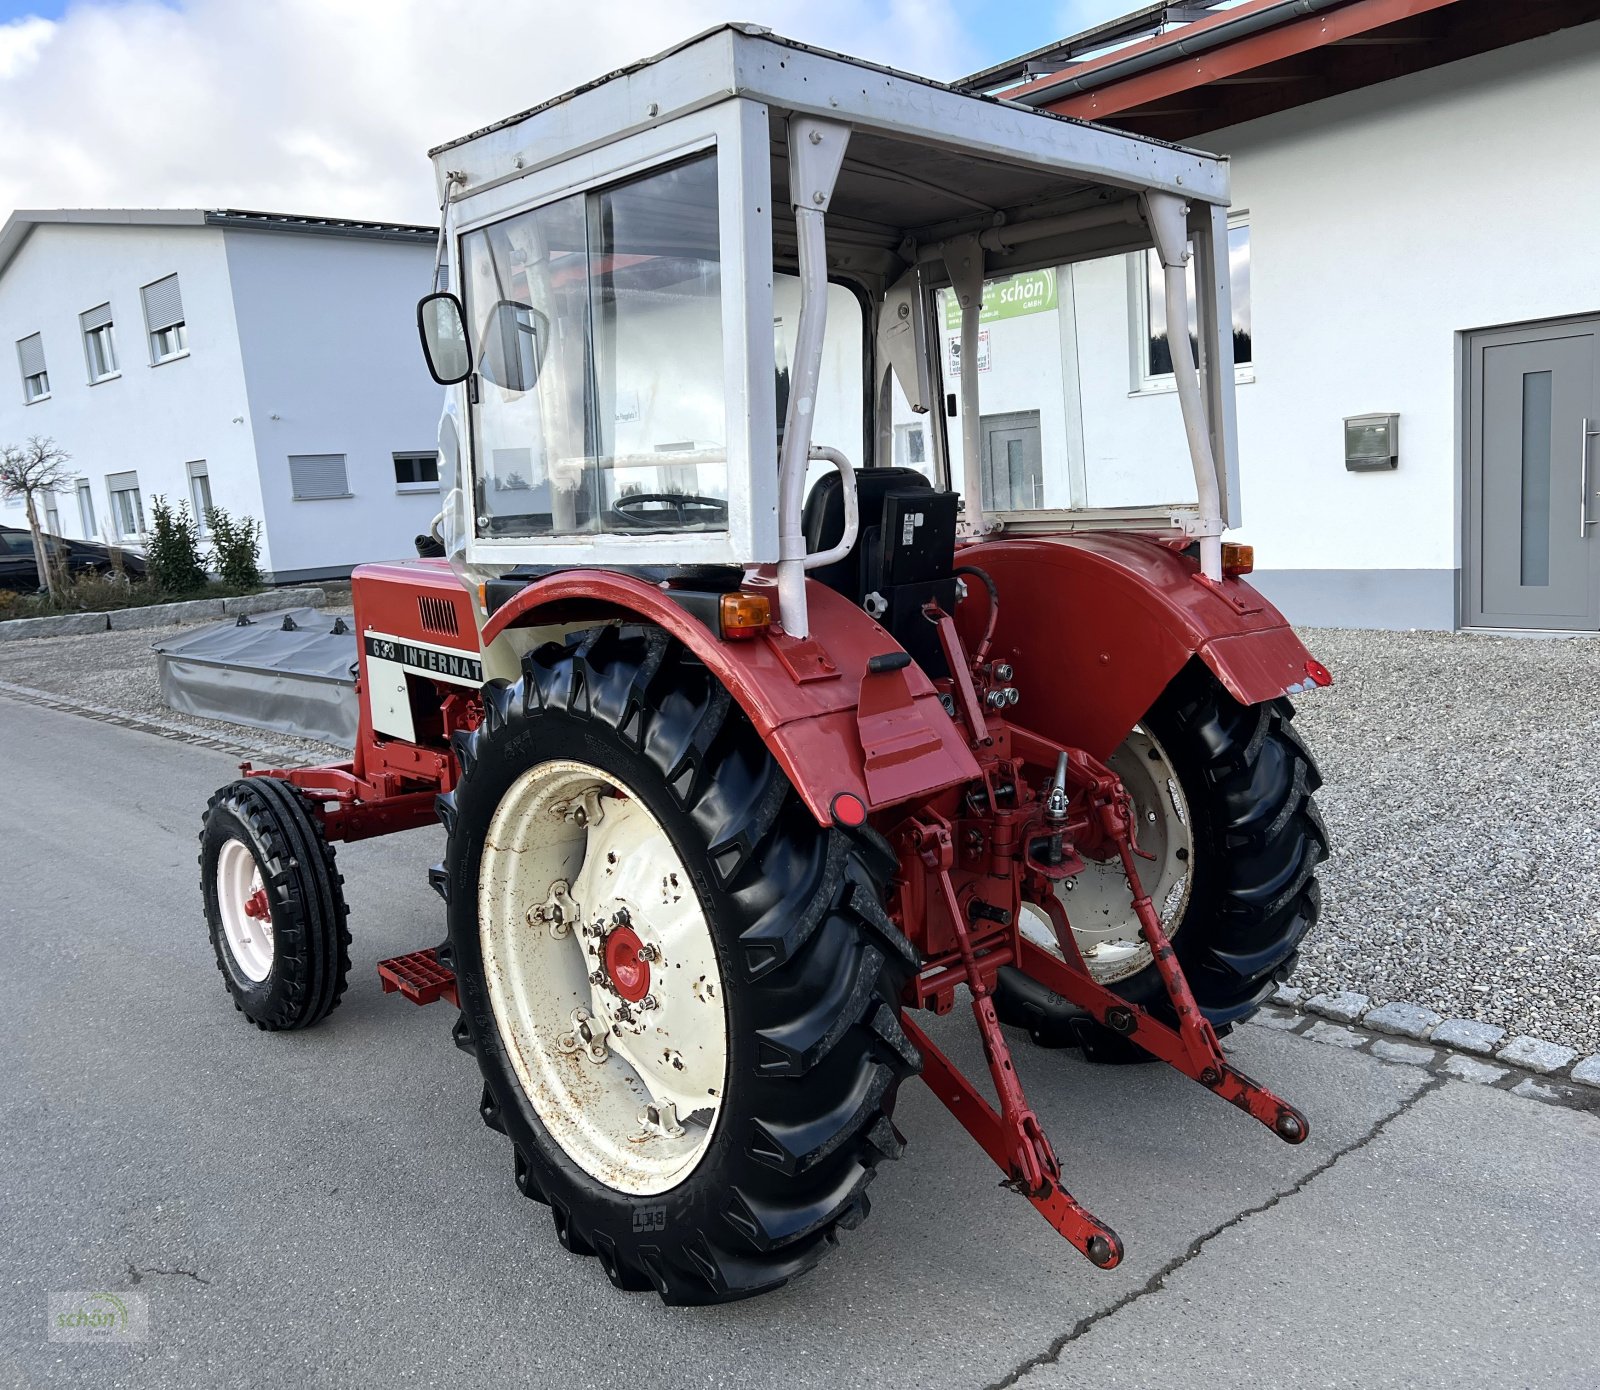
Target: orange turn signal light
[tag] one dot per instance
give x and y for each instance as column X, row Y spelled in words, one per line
column 744, row 615
column 1237, row 559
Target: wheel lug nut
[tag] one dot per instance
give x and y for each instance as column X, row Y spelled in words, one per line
column 648, row 953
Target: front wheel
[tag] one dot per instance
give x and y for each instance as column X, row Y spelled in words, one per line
column 274, row 904
column 1223, row 798
column 683, row 993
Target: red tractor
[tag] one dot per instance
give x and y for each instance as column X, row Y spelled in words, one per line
column 751, row 745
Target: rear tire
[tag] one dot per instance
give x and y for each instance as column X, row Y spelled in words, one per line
column 811, row 969
column 1247, row 780
column 274, row 904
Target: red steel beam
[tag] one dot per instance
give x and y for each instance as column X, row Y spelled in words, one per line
column 1288, row 40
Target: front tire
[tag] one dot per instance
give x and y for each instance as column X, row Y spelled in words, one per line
column 1252, row 839
column 274, row 904
column 625, row 726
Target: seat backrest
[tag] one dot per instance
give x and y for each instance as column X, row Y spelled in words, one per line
column 823, row 521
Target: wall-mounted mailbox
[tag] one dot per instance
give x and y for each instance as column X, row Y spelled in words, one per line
column 1371, row 442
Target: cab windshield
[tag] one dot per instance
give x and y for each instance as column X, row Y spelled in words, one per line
column 597, row 323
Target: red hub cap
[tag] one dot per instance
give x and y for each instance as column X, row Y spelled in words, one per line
column 256, row 904
column 626, row 964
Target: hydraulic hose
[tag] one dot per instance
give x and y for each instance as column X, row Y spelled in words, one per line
column 982, row 576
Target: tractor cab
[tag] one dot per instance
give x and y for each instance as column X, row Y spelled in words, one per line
column 687, row 312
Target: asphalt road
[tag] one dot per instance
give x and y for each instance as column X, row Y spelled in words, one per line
column 326, row 1209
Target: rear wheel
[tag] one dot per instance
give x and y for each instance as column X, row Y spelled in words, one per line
column 681, row 991
column 1223, row 797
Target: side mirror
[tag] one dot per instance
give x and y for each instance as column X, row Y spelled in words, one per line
column 513, row 348
column 442, row 324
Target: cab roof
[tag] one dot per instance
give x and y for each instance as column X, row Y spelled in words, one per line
column 923, row 154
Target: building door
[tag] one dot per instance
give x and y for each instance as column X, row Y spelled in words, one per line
column 1533, row 486
column 1013, row 462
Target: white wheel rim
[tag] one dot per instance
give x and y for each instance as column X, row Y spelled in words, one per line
column 1097, row 901
column 246, row 915
column 572, row 860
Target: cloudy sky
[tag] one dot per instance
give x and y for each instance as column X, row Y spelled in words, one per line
column 328, row 106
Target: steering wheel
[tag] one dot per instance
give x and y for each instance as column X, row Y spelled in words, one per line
column 669, row 511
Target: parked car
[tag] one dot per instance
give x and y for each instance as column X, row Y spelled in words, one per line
column 19, row 570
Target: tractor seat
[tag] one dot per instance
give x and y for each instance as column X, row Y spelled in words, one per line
column 823, row 522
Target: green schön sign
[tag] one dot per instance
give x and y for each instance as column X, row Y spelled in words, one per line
column 1031, row 292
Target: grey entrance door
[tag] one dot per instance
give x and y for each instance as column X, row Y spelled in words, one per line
column 1013, row 462
column 1533, row 555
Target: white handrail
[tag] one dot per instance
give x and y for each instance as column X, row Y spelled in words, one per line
column 852, row 509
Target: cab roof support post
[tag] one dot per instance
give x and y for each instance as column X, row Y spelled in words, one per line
column 816, row 152
column 963, row 259
column 1167, row 216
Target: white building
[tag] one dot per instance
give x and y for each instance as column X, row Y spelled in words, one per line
column 265, row 364
column 1416, row 191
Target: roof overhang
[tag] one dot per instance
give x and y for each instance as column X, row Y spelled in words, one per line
column 1264, row 56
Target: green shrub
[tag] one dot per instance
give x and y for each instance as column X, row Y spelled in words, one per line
column 174, row 553
column 235, row 548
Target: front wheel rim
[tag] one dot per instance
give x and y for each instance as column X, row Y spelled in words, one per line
column 245, row 912
column 603, row 977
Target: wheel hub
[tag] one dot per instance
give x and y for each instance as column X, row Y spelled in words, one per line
column 627, row 963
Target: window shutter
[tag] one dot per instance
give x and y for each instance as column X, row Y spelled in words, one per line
column 318, row 475
column 31, row 351
column 163, row 304
column 121, row 482
column 95, row 318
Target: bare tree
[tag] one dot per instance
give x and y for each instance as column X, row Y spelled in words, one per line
column 27, row 471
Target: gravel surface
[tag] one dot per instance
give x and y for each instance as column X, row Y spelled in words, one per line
column 117, row 670
column 1459, row 791
column 1461, row 797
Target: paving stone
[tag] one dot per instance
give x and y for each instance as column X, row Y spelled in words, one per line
column 1529, row 1089
column 1406, row 1020
column 305, row 597
column 1346, row 1006
column 1287, row 1023
column 1587, row 1072
column 1470, row 1069
column 1332, row 1033
column 1536, row 1054
column 1469, row 1035
column 62, row 625
column 1409, row 1053
column 1289, row 996
column 164, row 614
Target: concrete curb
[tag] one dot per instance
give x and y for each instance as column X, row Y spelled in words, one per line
column 1461, row 1048
column 159, row 614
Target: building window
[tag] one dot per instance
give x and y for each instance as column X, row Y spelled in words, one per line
column 1156, row 363
column 98, row 346
column 315, row 477
column 200, row 493
column 52, row 514
column 86, row 508
column 911, row 446
column 127, row 507
column 416, row 472
column 163, row 320
column 35, row 380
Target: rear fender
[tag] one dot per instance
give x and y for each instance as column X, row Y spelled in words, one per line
column 1097, row 625
column 804, row 697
